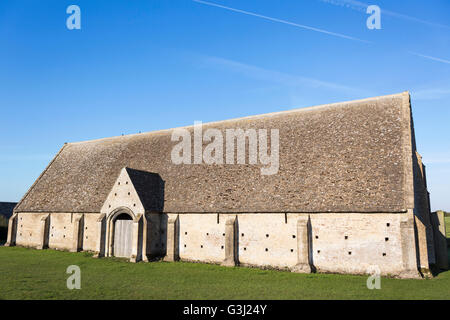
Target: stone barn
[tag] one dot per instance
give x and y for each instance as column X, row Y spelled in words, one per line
column 349, row 196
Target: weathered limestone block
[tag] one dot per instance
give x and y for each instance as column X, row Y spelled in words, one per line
column 12, row 229
column 90, row 232
column 230, row 243
column 172, row 239
column 144, row 238
column 423, row 210
column 303, row 246
column 135, row 254
column 202, row 237
column 407, row 235
column 77, row 238
column 100, row 247
column 422, row 236
column 43, row 231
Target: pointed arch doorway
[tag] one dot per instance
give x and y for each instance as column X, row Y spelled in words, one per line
column 123, row 236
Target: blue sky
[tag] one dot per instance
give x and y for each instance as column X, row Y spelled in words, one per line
column 147, row 65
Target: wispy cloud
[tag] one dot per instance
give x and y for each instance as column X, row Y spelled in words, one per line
column 430, row 57
column 431, row 94
column 284, row 79
column 340, row 35
column 352, row 4
column 362, row 7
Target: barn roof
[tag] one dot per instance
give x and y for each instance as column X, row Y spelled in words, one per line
column 345, row 157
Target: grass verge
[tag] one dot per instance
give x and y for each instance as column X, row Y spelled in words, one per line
column 41, row 274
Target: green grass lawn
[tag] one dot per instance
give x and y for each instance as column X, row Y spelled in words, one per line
column 41, row 274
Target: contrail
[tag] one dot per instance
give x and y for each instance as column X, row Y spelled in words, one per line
column 430, row 57
column 361, row 6
column 351, row 2
column 282, row 21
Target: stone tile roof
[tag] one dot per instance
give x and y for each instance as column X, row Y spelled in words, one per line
column 344, row 157
column 6, row 208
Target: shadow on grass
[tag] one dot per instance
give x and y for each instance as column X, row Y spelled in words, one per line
column 435, row 270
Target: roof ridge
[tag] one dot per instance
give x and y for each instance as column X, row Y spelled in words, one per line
column 408, row 150
column 257, row 116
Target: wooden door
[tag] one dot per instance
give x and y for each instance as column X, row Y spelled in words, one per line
column 123, row 238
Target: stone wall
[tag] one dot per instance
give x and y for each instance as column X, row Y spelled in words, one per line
column 337, row 242
column 353, row 243
column 61, row 231
column 28, row 230
column 344, row 243
column 202, row 237
column 156, row 234
column 422, row 212
column 57, row 230
column 90, row 232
